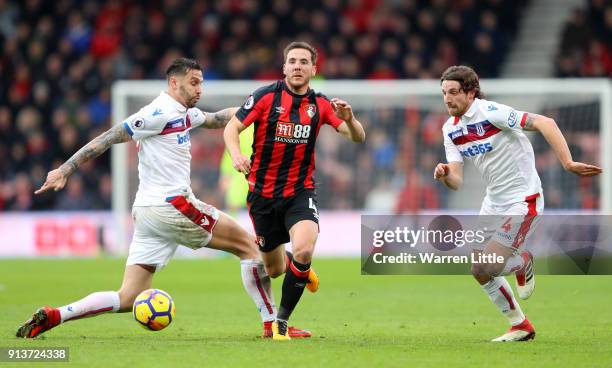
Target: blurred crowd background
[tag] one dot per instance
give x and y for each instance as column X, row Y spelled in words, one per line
column 59, row 58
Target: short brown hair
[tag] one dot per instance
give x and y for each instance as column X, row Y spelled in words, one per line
column 301, row 45
column 466, row 76
column 182, row 66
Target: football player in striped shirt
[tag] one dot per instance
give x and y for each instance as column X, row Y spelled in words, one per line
column 491, row 135
column 282, row 199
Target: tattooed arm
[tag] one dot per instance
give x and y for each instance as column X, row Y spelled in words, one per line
column 56, row 179
column 551, row 132
column 219, row 119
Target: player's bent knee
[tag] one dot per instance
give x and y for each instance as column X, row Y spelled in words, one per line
column 229, row 236
column 303, row 254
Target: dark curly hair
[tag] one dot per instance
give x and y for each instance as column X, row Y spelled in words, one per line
column 466, row 76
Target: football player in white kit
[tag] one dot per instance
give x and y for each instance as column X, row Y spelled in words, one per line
column 491, row 136
column 166, row 213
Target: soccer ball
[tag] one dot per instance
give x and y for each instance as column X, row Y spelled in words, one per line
column 154, row 309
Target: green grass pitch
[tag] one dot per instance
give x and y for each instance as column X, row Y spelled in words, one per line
column 370, row 321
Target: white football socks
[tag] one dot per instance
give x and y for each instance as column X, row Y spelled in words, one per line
column 501, row 295
column 257, row 283
column 91, row 305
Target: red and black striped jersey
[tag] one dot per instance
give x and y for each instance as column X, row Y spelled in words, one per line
column 286, row 129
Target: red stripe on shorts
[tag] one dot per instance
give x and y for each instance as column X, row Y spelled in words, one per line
column 190, row 211
column 529, row 217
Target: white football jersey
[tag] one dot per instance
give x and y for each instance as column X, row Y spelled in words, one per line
column 491, row 135
column 161, row 130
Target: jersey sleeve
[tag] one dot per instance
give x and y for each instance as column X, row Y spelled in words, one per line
column 329, row 117
column 145, row 123
column 254, row 106
column 452, row 152
column 197, row 117
column 505, row 117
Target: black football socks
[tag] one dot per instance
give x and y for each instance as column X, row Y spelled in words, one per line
column 296, row 279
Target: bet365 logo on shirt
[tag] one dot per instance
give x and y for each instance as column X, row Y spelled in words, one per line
column 183, row 138
column 477, row 149
column 292, row 133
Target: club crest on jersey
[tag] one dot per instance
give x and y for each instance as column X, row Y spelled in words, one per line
column 249, row 103
column 260, row 241
column 311, row 110
column 480, row 129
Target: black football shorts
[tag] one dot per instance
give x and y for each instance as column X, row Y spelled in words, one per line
column 272, row 218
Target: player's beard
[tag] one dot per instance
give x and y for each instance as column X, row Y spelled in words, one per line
column 455, row 110
column 190, row 100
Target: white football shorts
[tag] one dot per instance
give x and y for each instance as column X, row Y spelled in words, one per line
column 158, row 230
column 510, row 224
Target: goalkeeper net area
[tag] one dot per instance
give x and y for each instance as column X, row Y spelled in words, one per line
column 392, row 173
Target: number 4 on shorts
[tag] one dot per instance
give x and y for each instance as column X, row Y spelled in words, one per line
column 507, row 225
column 313, row 206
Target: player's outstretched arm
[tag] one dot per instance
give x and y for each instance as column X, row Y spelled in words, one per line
column 219, row 119
column 451, row 174
column 353, row 129
column 56, row 179
column 551, row 132
column 231, row 136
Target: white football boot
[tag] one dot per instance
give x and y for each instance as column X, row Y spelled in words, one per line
column 521, row 332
